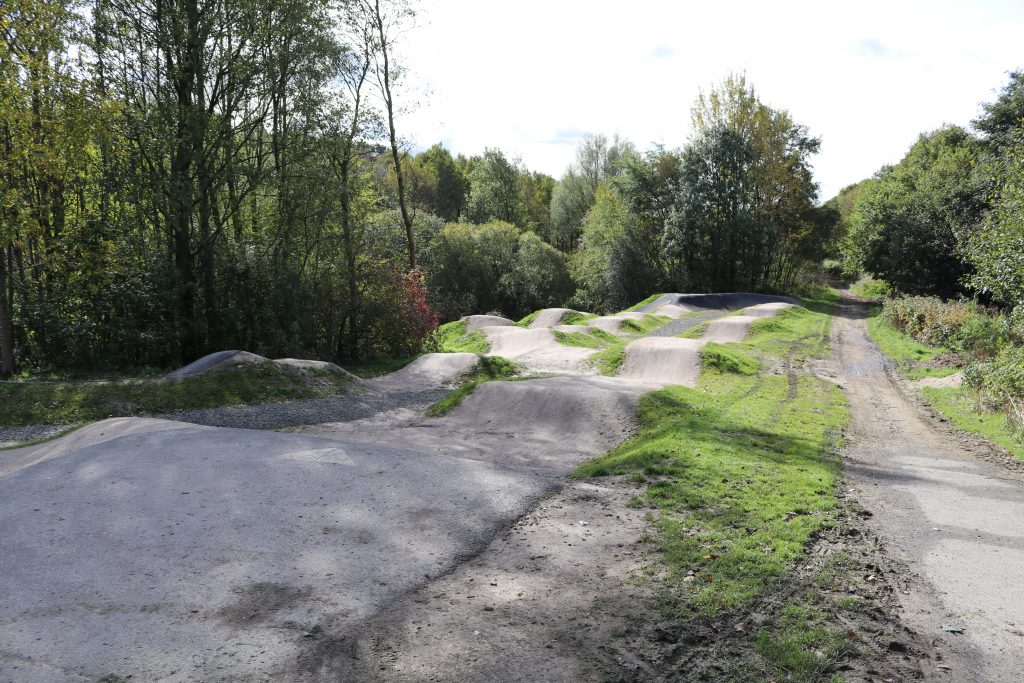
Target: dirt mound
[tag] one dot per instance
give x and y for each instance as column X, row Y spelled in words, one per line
column 536, row 350
column 767, row 310
column 549, row 316
column 674, row 310
column 724, row 301
column 663, row 361
column 90, row 435
column 733, row 328
column 476, row 322
column 217, row 361
column 429, row 371
column 613, row 323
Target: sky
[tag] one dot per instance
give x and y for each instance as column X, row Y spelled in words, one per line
column 531, row 77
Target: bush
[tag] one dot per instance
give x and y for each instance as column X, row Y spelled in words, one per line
column 870, row 288
column 928, row 319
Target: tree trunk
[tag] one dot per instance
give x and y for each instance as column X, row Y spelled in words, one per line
column 389, row 102
column 6, row 321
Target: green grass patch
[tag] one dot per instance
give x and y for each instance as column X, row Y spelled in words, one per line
column 801, row 647
column 959, row 406
column 26, row 403
column 695, row 332
column 743, row 468
column 610, row 360
column 576, row 318
column 726, row 359
column 528, row 320
column 646, row 325
column 453, row 337
column 907, row 353
column 638, row 306
column 592, row 339
column 487, row 369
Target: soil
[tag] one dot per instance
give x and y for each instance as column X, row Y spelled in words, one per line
column 950, row 516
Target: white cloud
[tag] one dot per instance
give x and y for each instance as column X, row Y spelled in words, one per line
column 531, row 76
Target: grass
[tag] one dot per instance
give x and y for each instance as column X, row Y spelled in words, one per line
column 647, row 324
column 960, row 407
column 743, row 465
column 908, row 354
column 27, row 403
column 525, row 322
column 576, row 318
column 638, row 306
column 454, row 337
column 740, row 475
column 592, row 339
column 488, row 368
column 871, row 289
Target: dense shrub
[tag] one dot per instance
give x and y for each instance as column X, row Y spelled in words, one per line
column 928, row 319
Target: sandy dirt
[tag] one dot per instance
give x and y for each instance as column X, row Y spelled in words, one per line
column 954, row 520
column 663, row 360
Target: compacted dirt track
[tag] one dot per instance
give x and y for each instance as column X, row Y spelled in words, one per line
column 956, row 521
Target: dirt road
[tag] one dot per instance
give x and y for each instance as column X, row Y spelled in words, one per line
column 956, row 521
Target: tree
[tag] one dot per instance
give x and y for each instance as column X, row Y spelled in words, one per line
column 597, row 158
column 437, row 184
column 388, row 22
column 746, row 194
column 919, row 213
column 1003, row 119
column 996, row 249
column 494, row 191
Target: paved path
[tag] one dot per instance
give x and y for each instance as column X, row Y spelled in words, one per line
column 958, row 522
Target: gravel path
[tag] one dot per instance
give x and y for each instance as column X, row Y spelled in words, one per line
column 311, row 411
column 12, row 436
column 680, row 325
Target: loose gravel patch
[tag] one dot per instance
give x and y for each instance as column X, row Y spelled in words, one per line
column 13, row 436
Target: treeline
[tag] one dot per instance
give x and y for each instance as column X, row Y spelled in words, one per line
column 948, row 219
column 183, row 176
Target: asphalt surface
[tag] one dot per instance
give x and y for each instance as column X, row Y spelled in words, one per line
column 196, row 553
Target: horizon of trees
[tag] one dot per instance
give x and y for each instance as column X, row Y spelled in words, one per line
column 948, row 219
column 183, row 176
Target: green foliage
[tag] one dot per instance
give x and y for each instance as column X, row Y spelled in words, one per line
column 901, row 348
column 870, row 288
column 744, row 216
column 996, row 248
column 720, row 358
column 494, row 267
column 915, row 217
column 801, row 647
column 23, row 403
column 494, row 191
column 929, row 320
column 576, row 318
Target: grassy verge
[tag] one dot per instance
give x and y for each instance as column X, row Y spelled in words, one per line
column 592, row 339
column 454, row 337
column 649, row 323
column 740, row 476
column 960, row 407
column 638, row 306
column 576, row 318
column 908, row 354
column 871, row 289
column 25, row 403
column 489, row 368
